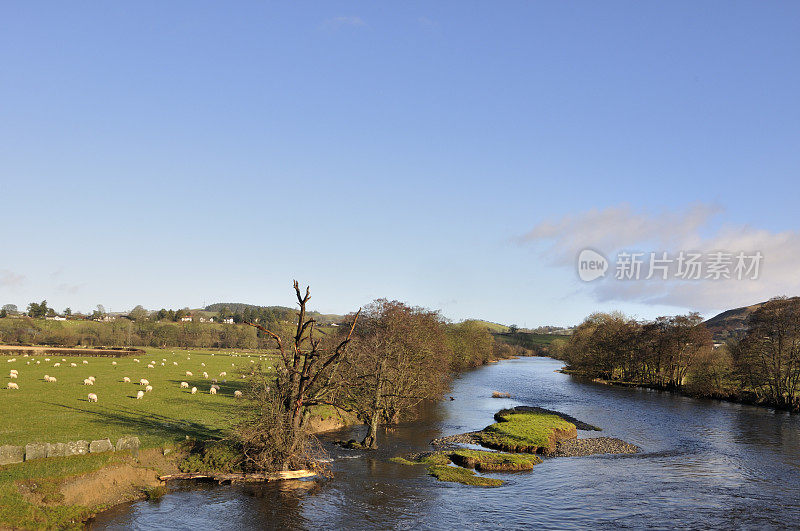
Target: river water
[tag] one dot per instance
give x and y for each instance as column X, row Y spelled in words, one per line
column 704, row 464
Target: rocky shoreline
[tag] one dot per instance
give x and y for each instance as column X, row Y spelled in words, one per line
column 593, row 446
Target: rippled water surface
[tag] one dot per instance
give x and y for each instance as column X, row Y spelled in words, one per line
column 703, row 464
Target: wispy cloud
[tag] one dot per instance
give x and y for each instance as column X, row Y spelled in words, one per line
column 349, row 21
column 622, row 228
column 69, row 289
column 9, row 279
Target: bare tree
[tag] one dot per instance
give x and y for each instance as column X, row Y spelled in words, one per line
column 275, row 435
column 400, row 357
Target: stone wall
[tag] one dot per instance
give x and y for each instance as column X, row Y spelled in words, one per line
column 17, row 454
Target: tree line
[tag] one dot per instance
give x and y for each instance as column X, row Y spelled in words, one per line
column 677, row 352
column 383, row 363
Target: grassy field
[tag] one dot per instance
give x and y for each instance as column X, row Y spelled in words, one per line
column 60, row 412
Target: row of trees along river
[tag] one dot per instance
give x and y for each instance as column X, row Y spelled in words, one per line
column 761, row 365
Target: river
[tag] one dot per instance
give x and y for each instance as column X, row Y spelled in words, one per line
column 704, row 464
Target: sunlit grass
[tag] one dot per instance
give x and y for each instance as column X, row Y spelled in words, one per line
column 60, row 412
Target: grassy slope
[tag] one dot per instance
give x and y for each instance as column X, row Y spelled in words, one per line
column 16, row 511
column 60, row 412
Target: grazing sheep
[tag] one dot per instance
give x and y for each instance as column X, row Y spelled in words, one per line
column 12, row 385
column 237, row 394
column 223, row 373
column 47, row 359
column 13, row 375
column 87, row 381
column 194, row 390
column 203, row 364
column 56, row 364
column 63, row 359
column 85, row 362
column 143, row 382
column 126, row 380
column 73, row 364
column 148, row 388
column 162, row 363
column 113, row 363
column 50, row 379
column 15, row 371
column 205, row 375
column 188, row 373
column 213, row 391
column 92, row 397
column 38, row 362
column 139, row 395
column 134, row 359
column 92, row 378
column 163, row 359
column 175, row 363
column 184, row 385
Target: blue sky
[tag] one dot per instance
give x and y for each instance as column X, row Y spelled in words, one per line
column 176, row 153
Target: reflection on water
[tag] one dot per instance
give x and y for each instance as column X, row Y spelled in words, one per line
column 703, row 464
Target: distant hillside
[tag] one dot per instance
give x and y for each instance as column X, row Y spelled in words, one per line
column 492, row 327
column 282, row 312
column 731, row 323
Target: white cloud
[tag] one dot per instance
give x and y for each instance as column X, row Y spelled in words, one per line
column 693, row 229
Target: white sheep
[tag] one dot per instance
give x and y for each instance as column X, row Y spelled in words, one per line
column 85, row 362
column 163, row 359
column 47, row 359
column 73, row 364
column 148, row 388
column 13, row 376
column 188, row 373
column 136, row 360
column 12, row 385
column 139, row 395
column 63, row 359
column 143, row 382
column 194, row 390
column 213, row 391
column 113, row 363
column 92, row 378
column 92, row 397
column 237, row 394
column 175, row 363
column 56, row 364
column 223, row 373
column 184, row 385
column 38, row 362
column 50, row 379
column 13, row 371
column 203, row 364
column 87, row 381
column 205, row 375
column 126, row 379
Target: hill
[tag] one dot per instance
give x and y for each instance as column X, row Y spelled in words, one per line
column 279, row 312
column 731, row 323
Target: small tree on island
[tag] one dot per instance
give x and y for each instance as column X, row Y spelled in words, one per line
column 274, row 435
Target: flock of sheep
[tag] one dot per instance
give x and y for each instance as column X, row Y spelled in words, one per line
column 92, row 397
